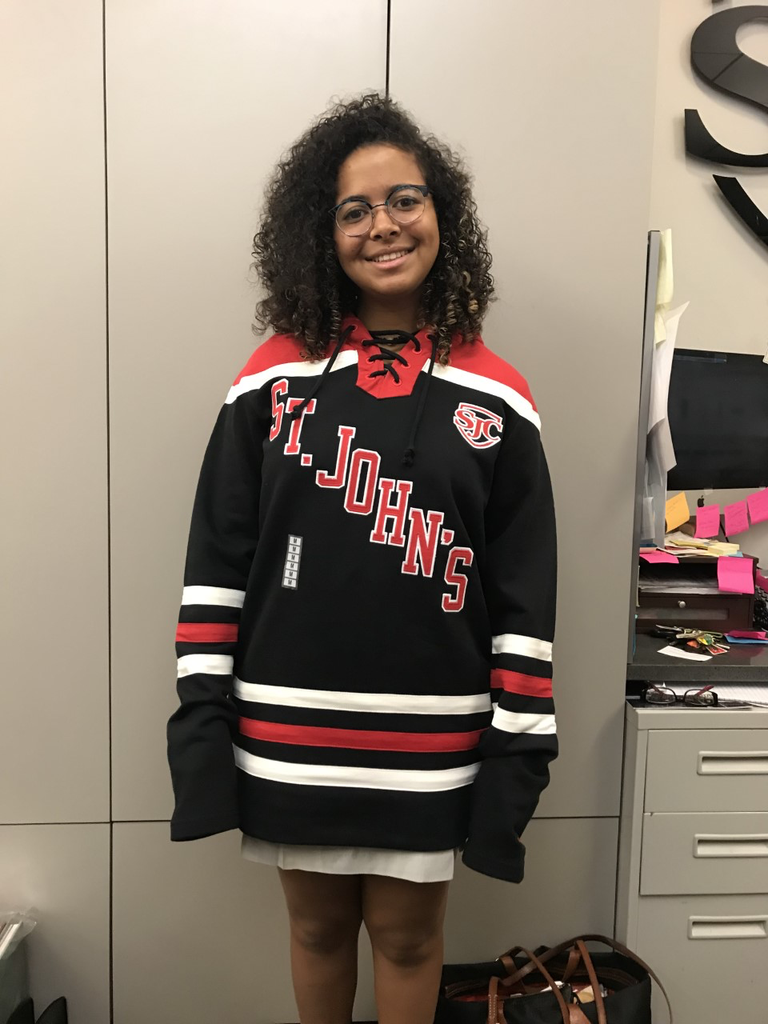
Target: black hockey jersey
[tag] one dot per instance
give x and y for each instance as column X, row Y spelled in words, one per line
column 365, row 638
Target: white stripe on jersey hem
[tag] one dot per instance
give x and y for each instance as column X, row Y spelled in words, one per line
column 468, row 379
column 207, row 664
column 213, row 595
column 527, row 646
column 518, row 722
column 403, row 780
column 304, row 368
column 387, row 703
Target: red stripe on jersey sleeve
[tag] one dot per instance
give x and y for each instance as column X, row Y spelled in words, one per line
column 356, row 739
column 206, row 632
column 516, row 682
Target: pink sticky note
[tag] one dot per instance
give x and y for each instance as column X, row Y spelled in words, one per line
column 747, row 634
column 735, row 575
column 758, row 506
column 708, row 521
column 762, row 581
column 659, row 556
column 736, row 518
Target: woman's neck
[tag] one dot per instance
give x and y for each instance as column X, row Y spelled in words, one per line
column 380, row 314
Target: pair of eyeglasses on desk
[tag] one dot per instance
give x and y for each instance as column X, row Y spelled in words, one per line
column 706, row 697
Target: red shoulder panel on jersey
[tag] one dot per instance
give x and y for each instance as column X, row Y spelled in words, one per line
column 477, row 358
column 280, row 348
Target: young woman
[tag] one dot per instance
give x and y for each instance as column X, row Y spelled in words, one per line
column 365, row 638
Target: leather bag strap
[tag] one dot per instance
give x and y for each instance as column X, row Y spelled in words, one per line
column 561, row 947
column 592, row 975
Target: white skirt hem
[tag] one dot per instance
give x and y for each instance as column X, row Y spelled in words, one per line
column 409, row 865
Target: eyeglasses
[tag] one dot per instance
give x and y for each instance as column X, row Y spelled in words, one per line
column 706, row 697
column 405, row 204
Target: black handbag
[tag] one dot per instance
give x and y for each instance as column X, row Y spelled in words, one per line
column 562, row 984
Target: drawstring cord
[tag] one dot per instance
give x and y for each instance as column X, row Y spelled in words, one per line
column 321, row 379
column 410, row 451
column 385, row 354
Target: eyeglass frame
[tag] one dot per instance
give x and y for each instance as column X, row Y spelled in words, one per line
column 424, row 189
column 684, row 698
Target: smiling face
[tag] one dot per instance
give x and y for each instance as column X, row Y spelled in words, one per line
column 395, row 287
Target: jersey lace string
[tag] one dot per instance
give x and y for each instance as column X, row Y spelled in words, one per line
column 385, row 354
column 410, row 450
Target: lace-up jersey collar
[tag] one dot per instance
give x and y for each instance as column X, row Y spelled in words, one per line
column 381, row 371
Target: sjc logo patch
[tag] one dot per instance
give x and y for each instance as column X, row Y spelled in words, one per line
column 480, row 427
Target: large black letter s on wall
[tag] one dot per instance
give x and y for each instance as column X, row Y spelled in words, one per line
column 717, row 59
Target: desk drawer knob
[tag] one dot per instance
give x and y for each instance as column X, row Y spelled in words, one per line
column 681, row 604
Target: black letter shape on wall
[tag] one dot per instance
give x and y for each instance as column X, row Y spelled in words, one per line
column 718, row 60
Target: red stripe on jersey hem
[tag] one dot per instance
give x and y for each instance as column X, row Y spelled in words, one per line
column 356, row 739
column 517, row 682
column 206, row 632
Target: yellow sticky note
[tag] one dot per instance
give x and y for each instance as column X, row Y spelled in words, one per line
column 677, row 511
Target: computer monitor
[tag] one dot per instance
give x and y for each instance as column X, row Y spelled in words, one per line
column 718, row 415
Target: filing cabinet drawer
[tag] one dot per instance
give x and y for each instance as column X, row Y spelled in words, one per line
column 711, row 952
column 704, row 853
column 707, row 770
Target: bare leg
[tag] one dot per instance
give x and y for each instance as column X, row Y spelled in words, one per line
column 405, row 923
column 325, row 914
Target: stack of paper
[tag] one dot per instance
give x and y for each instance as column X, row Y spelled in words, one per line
column 681, row 544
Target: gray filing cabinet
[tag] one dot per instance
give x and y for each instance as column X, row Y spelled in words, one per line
column 692, row 894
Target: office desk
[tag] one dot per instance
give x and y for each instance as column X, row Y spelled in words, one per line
column 744, row 663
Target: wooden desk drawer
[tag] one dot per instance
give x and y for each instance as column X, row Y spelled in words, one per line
column 704, row 853
column 707, row 770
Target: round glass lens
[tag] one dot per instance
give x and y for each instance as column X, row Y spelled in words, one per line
column 405, row 206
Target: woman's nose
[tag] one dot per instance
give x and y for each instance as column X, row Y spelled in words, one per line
column 389, row 222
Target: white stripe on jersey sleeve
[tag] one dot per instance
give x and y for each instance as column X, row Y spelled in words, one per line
column 467, row 379
column 517, row 722
column 305, row 368
column 527, row 646
column 387, row 703
column 213, row 595
column 404, row 780
column 207, row 664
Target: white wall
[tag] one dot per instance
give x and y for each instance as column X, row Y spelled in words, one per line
column 719, row 265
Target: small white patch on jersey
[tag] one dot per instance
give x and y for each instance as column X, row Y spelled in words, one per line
column 292, row 559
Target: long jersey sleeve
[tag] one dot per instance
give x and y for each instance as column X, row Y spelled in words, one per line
column 222, row 540
column 520, row 590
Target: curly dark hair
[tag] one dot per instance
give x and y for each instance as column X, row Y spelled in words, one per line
column 308, row 293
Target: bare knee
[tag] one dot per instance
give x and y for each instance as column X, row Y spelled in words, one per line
column 405, row 947
column 324, row 936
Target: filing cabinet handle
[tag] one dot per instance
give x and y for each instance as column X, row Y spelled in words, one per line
column 730, row 846
column 733, row 762
column 728, row 927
